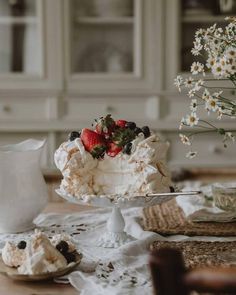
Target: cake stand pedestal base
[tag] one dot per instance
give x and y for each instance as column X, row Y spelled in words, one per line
column 115, row 235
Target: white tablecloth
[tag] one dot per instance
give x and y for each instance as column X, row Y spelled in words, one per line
column 105, row 271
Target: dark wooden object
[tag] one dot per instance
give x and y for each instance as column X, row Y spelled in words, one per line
column 170, row 277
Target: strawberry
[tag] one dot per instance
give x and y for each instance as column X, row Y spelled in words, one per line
column 121, row 123
column 122, row 136
column 94, row 143
column 105, row 125
column 113, row 149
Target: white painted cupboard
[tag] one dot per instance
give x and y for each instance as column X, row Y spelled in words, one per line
column 65, row 62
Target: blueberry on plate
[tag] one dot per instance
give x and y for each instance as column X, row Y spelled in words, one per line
column 137, row 130
column 130, row 125
column 21, row 245
column 70, row 256
column 127, row 148
column 172, row 189
column 146, row 131
column 73, row 135
column 62, row 247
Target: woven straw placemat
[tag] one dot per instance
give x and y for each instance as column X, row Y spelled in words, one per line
column 168, row 219
column 201, row 254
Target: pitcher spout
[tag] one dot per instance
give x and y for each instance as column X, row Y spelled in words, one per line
column 28, row 145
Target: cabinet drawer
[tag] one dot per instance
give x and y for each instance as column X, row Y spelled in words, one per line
column 24, row 109
column 211, row 151
column 143, row 109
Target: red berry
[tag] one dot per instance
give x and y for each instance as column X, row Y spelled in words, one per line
column 113, row 149
column 121, row 123
column 93, row 142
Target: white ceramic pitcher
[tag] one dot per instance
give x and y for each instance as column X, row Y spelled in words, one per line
column 23, row 191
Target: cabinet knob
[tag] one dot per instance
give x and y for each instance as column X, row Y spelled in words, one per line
column 6, row 109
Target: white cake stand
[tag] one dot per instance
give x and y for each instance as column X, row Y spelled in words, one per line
column 115, row 236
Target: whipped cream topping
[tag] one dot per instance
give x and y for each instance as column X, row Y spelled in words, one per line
column 144, row 171
column 12, row 256
column 41, row 256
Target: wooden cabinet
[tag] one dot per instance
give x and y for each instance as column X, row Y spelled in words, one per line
column 113, row 46
column 30, row 50
column 64, row 63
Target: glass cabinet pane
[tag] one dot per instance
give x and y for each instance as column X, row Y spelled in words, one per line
column 102, row 36
column 20, row 36
column 197, row 14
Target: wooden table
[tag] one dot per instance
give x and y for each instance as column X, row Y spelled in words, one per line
column 10, row 287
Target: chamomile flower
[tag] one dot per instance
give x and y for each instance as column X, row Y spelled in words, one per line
column 211, row 105
column 230, row 52
column 220, row 50
column 192, row 119
column 206, row 95
column 185, row 139
column 210, row 62
column 193, row 105
column 178, row 82
column 182, row 122
column 188, row 82
column 197, row 47
column 218, row 70
column 198, row 85
column 191, row 92
column 197, row 68
column 191, row 155
column 229, row 135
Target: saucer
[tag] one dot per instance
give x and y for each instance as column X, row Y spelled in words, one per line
column 13, row 273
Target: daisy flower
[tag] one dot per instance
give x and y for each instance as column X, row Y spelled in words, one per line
column 211, row 105
column 197, row 68
column 178, row 82
column 218, row 70
column 191, row 92
column 229, row 135
column 182, row 122
column 210, row 62
column 192, row 119
column 191, row 155
column 193, row 105
column 206, row 95
column 188, row 82
column 185, row 139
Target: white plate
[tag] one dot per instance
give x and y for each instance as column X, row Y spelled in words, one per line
column 110, row 201
column 13, row 273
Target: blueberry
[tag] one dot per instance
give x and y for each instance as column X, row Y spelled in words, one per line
column 172, row 189
column 21, row 245
column 130, row 125
column 146, row 131
column 127, row 148
column 70, row 256
column 137, row 130
column 62, row 247
column 73, row 135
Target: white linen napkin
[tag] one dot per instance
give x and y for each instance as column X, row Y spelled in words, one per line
column 201, row 208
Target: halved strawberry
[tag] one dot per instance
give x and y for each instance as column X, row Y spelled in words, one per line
column 113, row 149
column 94, row 143
column 121, row 123
column 105, row 125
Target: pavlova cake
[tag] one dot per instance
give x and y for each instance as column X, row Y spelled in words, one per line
column 39, row 254
column 113, row 158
